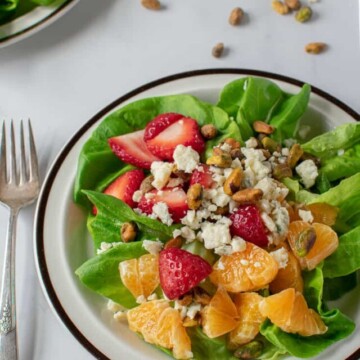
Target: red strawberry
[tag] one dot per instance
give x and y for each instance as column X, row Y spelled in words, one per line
column 247, row 223
column 180, row 271
column 132, row 149
column 203, row 178
column 174, row 198
column 166, row 131
column 124, row 186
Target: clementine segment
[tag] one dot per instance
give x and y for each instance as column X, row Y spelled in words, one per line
column 324, row 213
column 140, row 276
column 220, row 316
column 326, row 242
column 247, row 270
column 288, row 277
column 250, row 319
column 161, row 325
column 289, row 311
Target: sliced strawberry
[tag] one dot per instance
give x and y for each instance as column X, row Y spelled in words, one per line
column 180, row 271
column 203, row 178
column 247, row 223
column 174, row 198
column 132, row 149
column 124, row 186
column 169, row 130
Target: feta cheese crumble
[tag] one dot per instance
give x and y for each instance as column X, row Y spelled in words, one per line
column 306, row 216
column 137, row 195
column 215, row 234
column 281, row 256
column 152, row 247
column 106, row 246
column 161, row 172
column 308, row 172
column 186, row 158
column 161, row 211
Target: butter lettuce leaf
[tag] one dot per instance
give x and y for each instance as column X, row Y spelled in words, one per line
column 327, row 145
column 101, row 273
column 346, row 258
column 112, row 213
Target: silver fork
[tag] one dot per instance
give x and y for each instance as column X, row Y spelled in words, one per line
column 19, row 187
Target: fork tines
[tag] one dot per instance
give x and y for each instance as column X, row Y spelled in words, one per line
column 24, row 170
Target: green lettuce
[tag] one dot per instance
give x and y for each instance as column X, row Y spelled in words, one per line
column 97, row 163
column 112, row 213
column 346, row 259
column 328, row 144
column 335, row 288
column 101, row 273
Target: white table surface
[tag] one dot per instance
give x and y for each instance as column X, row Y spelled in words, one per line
column 100, row 50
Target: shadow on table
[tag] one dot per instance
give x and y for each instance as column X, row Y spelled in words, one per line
column 77, row 20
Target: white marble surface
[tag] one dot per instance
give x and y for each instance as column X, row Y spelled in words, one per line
column 102, row 49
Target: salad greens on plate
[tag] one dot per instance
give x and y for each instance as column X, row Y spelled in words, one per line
column 218, row 231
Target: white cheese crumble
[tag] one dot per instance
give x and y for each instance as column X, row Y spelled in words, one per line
column 308, row 172
column 192, row 220
column 186, row 233
column 281, row 256
column 341, row 152
column 268, row 221
column 244, row 262
column 238, row 244
column 271, row 189
column 161, row 172
column 289, row 142
column 225, row 147
column 106, row 246
column 182, row 309
column 153, row 247
column 114, row 307
column 193, row 310
column 215, row 235
column 137, row 195
column 140, row 299
column 174, row 182
column 186, row 158
column 152, row 297
column 120, row 315
column 251, row 143
column 306, row 216
column 281, row 219
column 161, row 211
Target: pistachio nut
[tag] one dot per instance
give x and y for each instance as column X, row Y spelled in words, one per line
column 128, row 231
column 304, row 14
column 251, row 350
column 233, row 182
column 305, row 241
column 194, row 196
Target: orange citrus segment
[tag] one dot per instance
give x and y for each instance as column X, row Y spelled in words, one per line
column 250, row 319
column 288, row 277
column 323, row 213
column 247, row 270
column 144, row 318
column 161, row 325
column 140, row 276
column 288, row 310
column 220, row 316
column 325, row 244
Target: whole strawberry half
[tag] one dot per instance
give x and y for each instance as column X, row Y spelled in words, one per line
column 124, row 186
column 247, row 223
column 175, row 198
column 132, row 149
column 169, row 130
column 203, row 177
column 180, row 271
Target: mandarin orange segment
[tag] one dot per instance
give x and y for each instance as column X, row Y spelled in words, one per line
column 325, row 244
column 220, row 316
column 250, row 319
column 324, row 213
column 161, row 325
column 140, row 276
column 288, row 277
column 247, row 270
column 288, row 310
column 144, row 318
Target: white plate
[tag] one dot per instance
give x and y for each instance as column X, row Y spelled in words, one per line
column 62, row 243
column 33, row 21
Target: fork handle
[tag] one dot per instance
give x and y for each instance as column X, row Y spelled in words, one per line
column 8, row 338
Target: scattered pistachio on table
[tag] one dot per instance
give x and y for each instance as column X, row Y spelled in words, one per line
column 304, row 14
column 280, row 7
column 293, row 4
column 236, row 16
column 151, row 4
column 218, row 50
column 315, row 48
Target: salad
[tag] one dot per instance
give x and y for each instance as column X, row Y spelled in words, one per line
column 10, row 9
column 220, row 231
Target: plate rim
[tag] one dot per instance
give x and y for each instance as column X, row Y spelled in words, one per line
column 32, row 29
column 39, row 253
